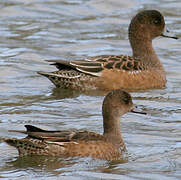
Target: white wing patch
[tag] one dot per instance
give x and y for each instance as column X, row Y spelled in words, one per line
column 88, row 59
column 61, row 143
column 133, row 72
column 86, row 72
column 64, row 76
column 82, row 66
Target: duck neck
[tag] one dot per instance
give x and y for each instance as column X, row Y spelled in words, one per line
column 141, row 43
column 112, row 130
column 143, row 50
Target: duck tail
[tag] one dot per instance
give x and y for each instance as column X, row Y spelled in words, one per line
column 11, row 142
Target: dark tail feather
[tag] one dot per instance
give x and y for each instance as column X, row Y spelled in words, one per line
column 11, row 142
column 34, row 129
column 29, row 128
column 46, row 74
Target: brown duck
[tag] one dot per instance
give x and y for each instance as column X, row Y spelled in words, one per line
column 106, row 146
column 143, row 70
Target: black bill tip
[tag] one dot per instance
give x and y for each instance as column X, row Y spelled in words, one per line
column 173, row 37
column 138, row 111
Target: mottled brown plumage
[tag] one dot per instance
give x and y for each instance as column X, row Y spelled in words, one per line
column 108, row 146
column 141, row 71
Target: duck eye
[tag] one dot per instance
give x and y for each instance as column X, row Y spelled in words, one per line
column 126, row 100
column 156, row 21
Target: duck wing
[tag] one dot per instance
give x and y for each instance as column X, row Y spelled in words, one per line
column 59, row 136
column 95, row 65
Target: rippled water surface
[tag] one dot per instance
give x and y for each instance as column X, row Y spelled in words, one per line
column 35, row 30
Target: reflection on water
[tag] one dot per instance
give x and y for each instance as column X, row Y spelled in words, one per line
column 32, row 32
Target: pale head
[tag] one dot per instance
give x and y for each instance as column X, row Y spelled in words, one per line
column 146, row 25
column 115, row 104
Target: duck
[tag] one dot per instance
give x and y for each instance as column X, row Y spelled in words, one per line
column 141, row 71
column 81, row 143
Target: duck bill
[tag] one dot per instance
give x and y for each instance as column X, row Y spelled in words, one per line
column 166, row 34
column 135, row 110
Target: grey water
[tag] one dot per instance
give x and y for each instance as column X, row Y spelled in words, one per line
column 36, row 30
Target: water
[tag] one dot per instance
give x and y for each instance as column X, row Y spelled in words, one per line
column 32, row 31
